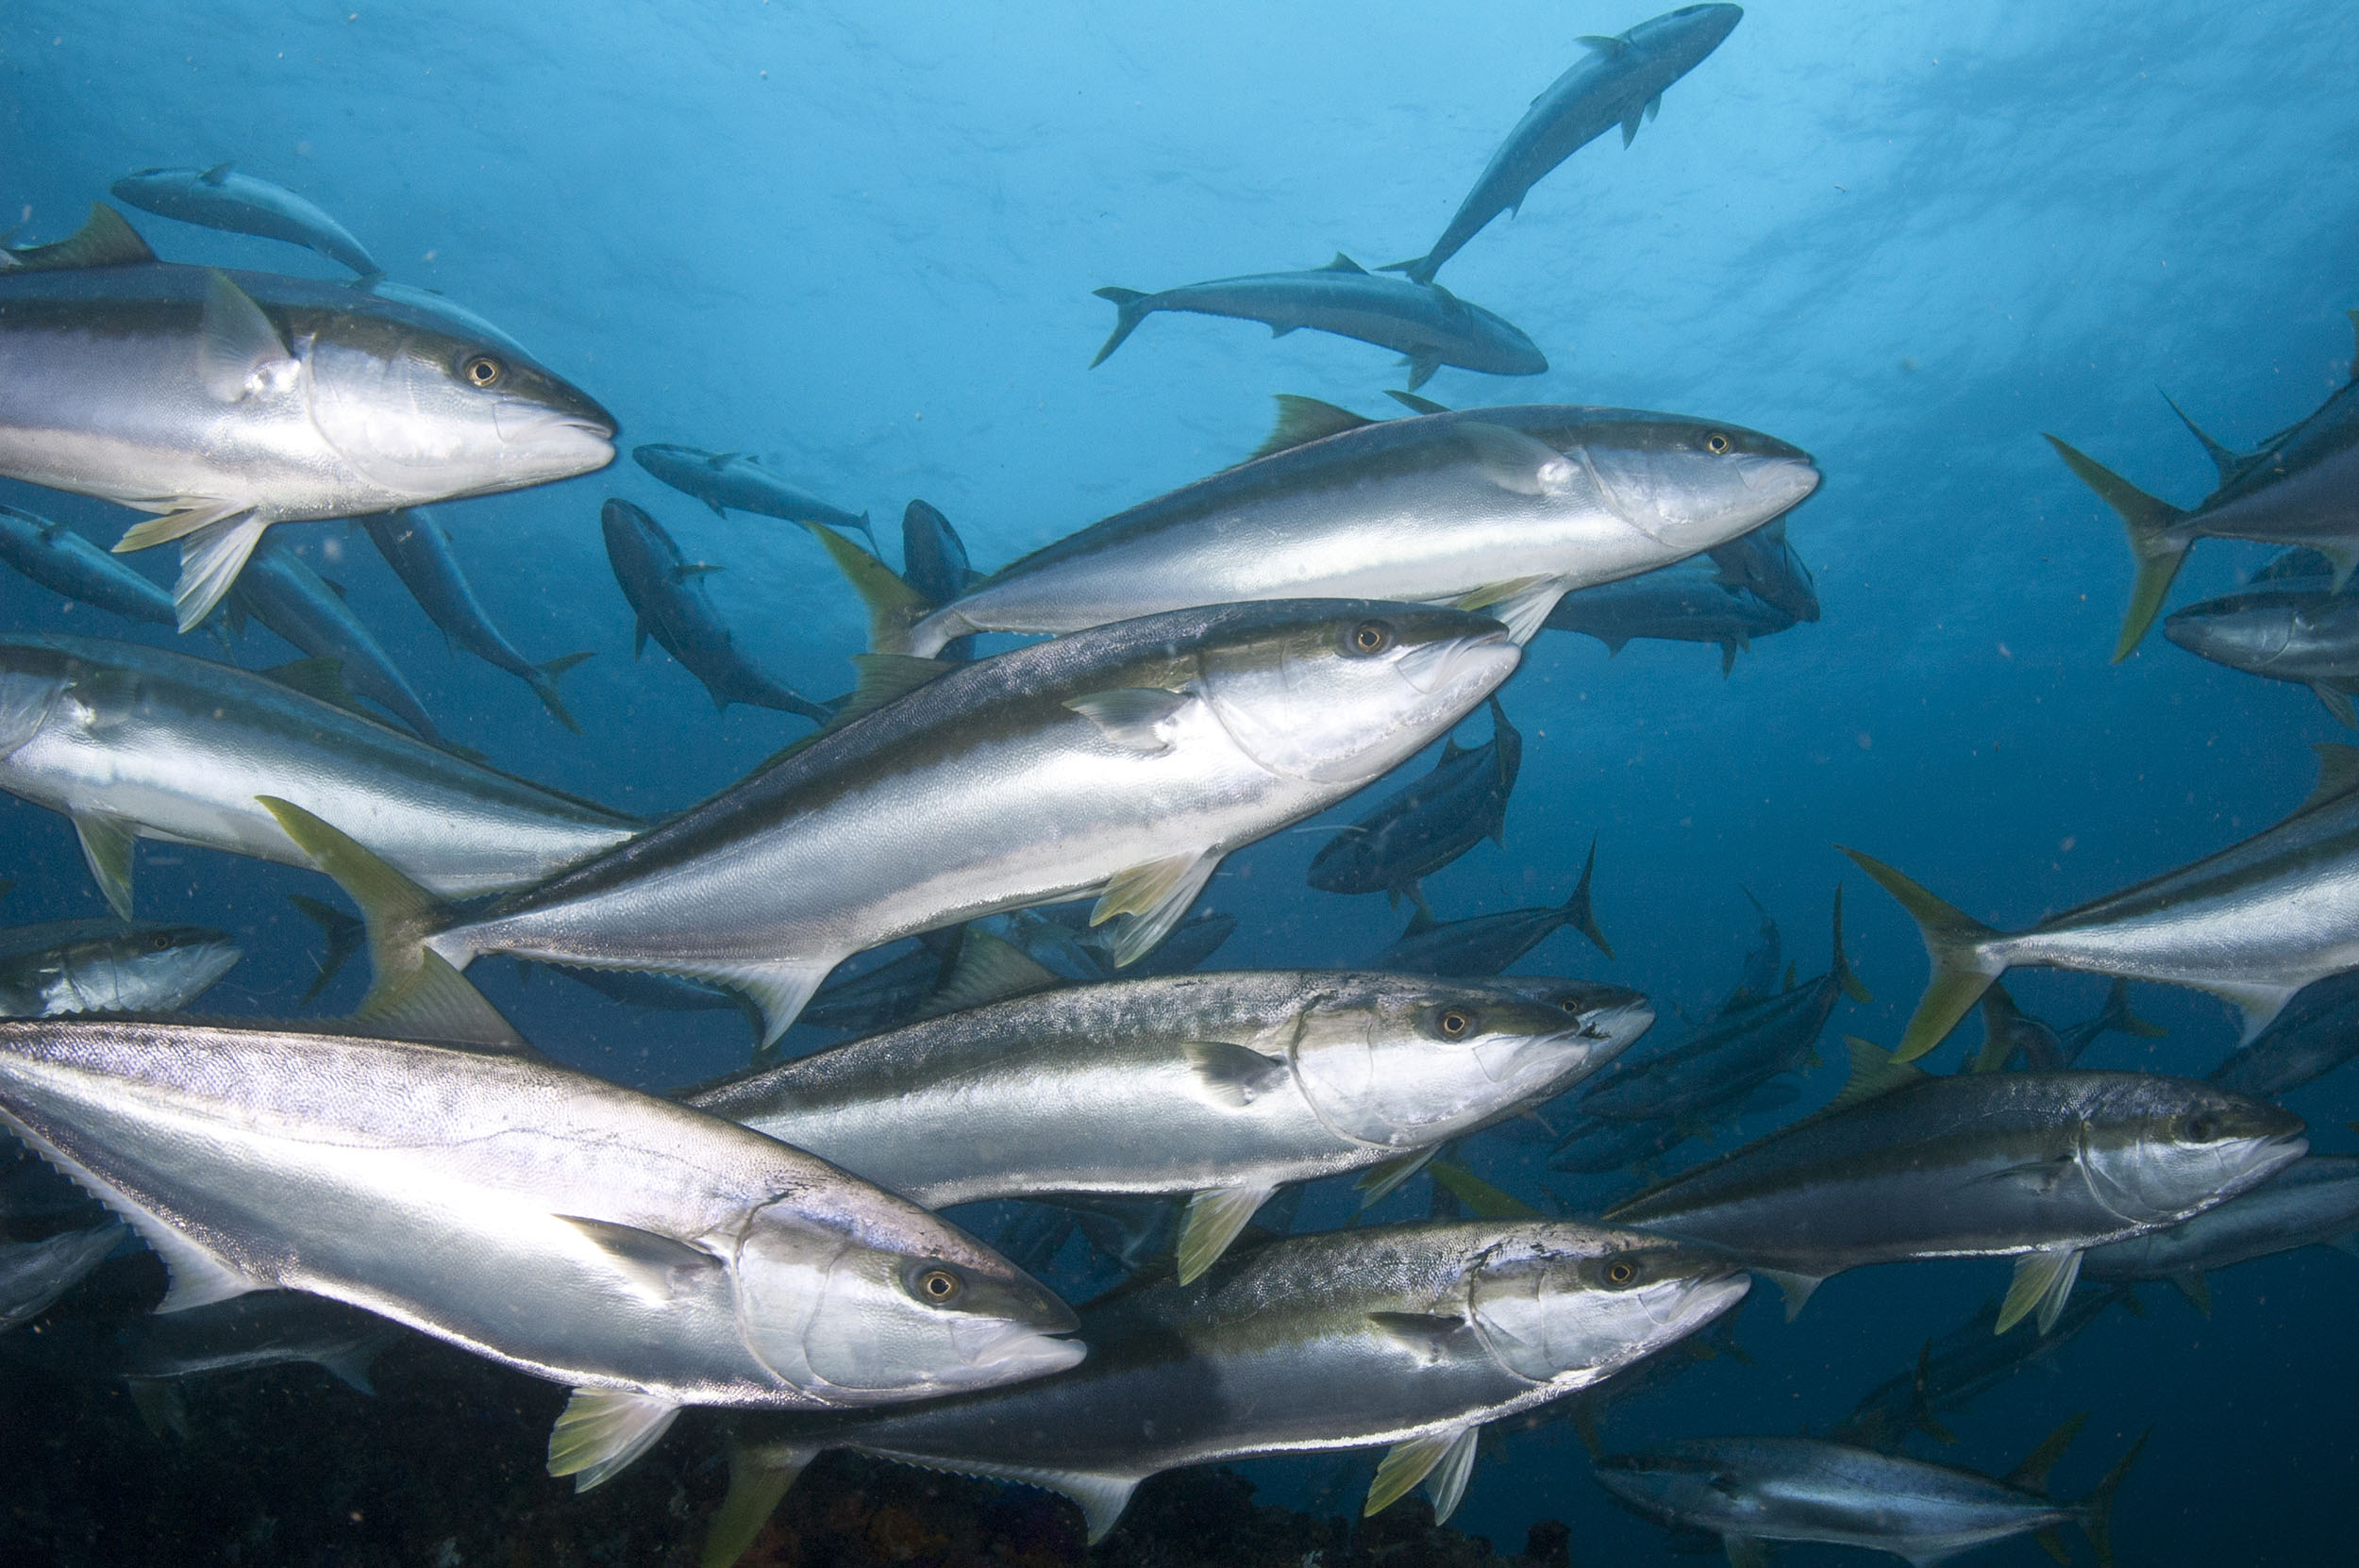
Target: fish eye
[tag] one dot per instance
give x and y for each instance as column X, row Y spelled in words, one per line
column 160, row 942
column 1717, row 443
column 2200, row 1127
column 938, row 1286
column 1621, row 1272
column 481, row 370
column 1371, row 637
column 1453, row 1023
column 1571, row 1005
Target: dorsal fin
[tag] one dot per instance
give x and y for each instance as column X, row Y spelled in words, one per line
column 1482, row 1200
column 1874, row 1071
column 989, row 969
column 2222, row 458
column 104, row 240
column 217, row 175
column 321, row 679
column 1611, row 48
column 2031, row 1474
column 1304, row 420
column 2338, row 775
column 1344, row 264
column 1420, row 920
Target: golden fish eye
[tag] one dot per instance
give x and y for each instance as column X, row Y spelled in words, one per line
column 1621, row 1272
column 1717, row 443
column 1371, row 637
column 482, row 370
column 1454, row 1024
column 160, row 942
column 938, row 1286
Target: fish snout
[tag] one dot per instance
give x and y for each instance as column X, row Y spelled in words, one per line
column 1451, row 662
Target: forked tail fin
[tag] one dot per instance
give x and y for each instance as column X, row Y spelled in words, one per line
column 1839, row 969
column 894, row 606
column 2096, row 1508
column 1577, row 911
column 543, row 683
column 2157, row 541
column 1130, row 307
column 1954, row 941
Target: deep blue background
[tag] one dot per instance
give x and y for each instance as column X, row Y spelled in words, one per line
column 860, row 241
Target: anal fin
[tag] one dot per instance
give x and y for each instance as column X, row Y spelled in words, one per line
column 106, row 844
column 2044, row 1280
column 1798, row 1287
column 1405, row 1465
column 1153, row 897
column 602, row 1431
column 198, row 1277
column 1213, row 1221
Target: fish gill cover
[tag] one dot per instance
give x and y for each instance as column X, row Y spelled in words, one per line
column 859, row 245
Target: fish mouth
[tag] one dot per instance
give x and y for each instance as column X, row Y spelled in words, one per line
column 1706, row 1297
column 1012, row 1349
column 1438, row 666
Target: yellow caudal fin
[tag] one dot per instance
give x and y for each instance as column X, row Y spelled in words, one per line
column 416, row 994
column 893, row 606
column 1954, row 941
column 2158, row 541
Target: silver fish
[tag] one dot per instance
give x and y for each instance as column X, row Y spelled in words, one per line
column 229, row 402
column 727, row 481
column 138, row 743
column 1408, row 836
column 2312, row 1202
column 220, row 197
column 1620, row 81
column 1414, row 1335
column 418, row 549
column 2252, row 924
column 1484, row 944
column 2308, row 635
column 1424, row 322
column 279, row 590
column 1763, row 564
column 65, row 563
column 1678, row 605
column 650, row 1257
column 1959, row 1366
column 61, row 967
column 1749, row 1490
column 1496, row 508
column 1225, row 1087
column 1125, row 762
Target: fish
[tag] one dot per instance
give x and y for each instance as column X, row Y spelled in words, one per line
column 2009, row 1033
column 281, row 590
column 1752, row 1489
column 1961, row 1365
column 2036, row 1166
column 1733, row 1054
column 2308, row 636
column 418, row 549
column 67, row 564
column 230, row 401
column 1763, row 564
column 61, row 967
column 134, row 742
column 1414, row 1336
column 587, row 1234
column 1409, row 836
column 35, row 1274
column 2299, row 487
column 244, row 1334
column 220, row 197
column 1126, row 762
column 1484, row 944
column 1219, row 1087
column 1427, row 325
column 667, row 593
column 2312, row 1202
column 1679, row 604
column 934, row 562
column 2318, row 1032
column 1620, row 81
column 1593, row 1145
column 1501, row 509
column 2252, row 924
column 727, row 481
column 1759, row 977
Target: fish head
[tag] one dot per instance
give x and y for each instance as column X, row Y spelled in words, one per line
column 33, row 675
column 1686, row 1484
column 430, row 409
column 1499, row 345
column 1409, row 1061
column 1689, row 484
column 673, row 464
column 1563, row 1303
column 145, row 188
column 1349, row 862
column 863, row 1308
column 2248, row 631
column 2158, row 1149
column 151, row 968
column 1687, row 34
column 1343, row 691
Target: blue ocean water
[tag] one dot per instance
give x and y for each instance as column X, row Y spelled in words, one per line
column 860, row 241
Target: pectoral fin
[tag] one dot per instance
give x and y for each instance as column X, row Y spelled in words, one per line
column 1407, row 1463
column 211, row 560
column 1745, row 1551
column 759, row 1474
column 1153, row 896
column 2336, row 703
column 1231, row 1076
column 1134, row 718
column 653, row 1267
column 2196, row 1288
column 1798, row 1287
column 603, row 1430
column 2042, row 1280
column 106, row 844
column 1448, row 1483
column 1213, row 1221
column 239, row 352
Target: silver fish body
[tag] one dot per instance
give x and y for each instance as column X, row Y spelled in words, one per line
column 2314, row 1200
column 65, row 563
column 1763, row 564
column 279, row 589
column 1413, row 1335
column 220, row 197
column 1677, row 604
column 63, row 966
column 1957, row 1367
column 730, row 481
column 242, row 1334
column 135, row 740
column 417, row 548
column 551, row 1222
column 1411, row 835
column 2308, row 636
column 1511, row 506
column 2317, row 1031
column 1134, row 756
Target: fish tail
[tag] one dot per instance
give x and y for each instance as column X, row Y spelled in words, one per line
column 894, row 606
column 1130, row 307
column 2158, row 541
column 1419, row 268
column 2096, row 1508
column 1577, row 910
column 2120, row 1020
column 1954, row 941
column 416, row 994
column 544, row 681
column 1840, row 968
column 344, row 934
